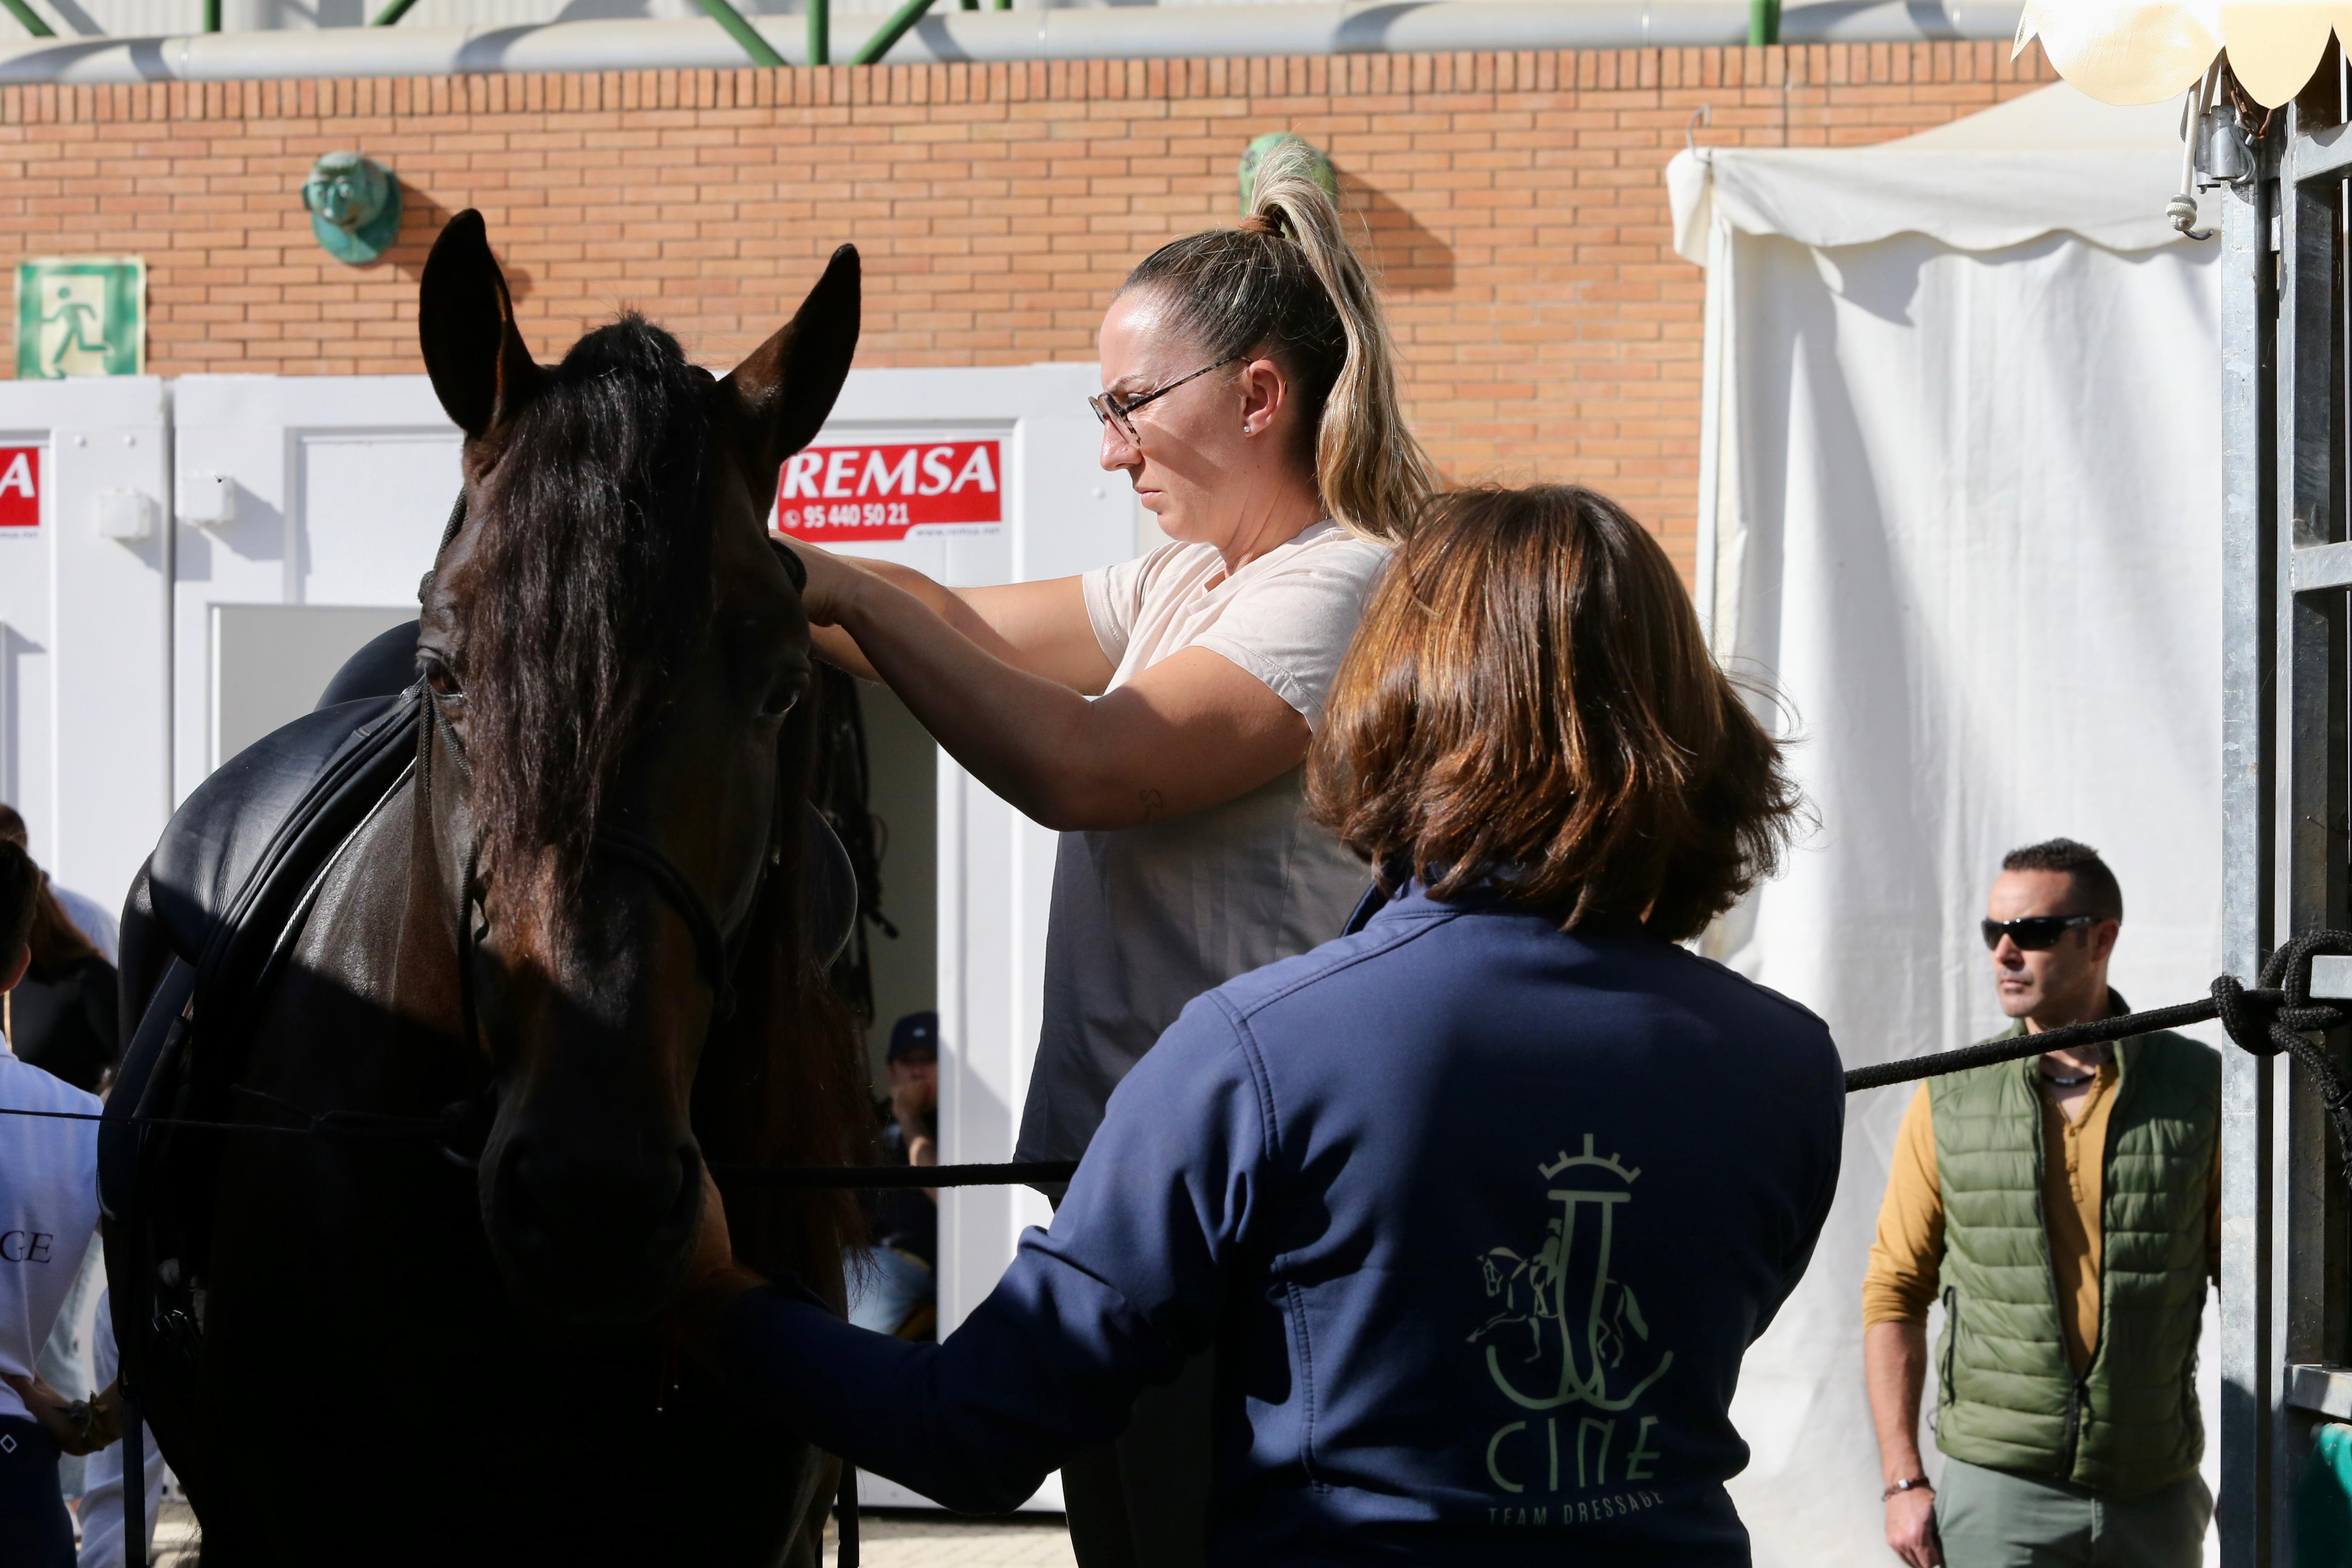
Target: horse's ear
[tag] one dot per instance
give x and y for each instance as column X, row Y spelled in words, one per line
column 788, row 385
column 481, row 371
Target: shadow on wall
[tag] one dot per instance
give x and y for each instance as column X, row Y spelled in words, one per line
column 422, row 220
column 1404, row 256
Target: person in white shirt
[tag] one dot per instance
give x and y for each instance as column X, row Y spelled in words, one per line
column 1157, row 713
column 100, row 1509
column 48, row 1218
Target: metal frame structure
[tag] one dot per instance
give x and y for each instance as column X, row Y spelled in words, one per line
column 2286, row 1235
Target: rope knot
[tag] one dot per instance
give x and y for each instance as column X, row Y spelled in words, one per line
column 2246, row 1016
column 2282, row 1015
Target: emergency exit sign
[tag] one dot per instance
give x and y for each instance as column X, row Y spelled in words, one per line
column 875, row 494
column 20, row 487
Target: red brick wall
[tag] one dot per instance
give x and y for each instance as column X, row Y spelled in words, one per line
column 1514, row 204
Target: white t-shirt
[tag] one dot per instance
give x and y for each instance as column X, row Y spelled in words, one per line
column 91, row 918
column 48, row 1210
column 1145, row 918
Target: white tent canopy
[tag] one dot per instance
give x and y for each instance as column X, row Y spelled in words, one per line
column 2052, row 162
column 1959, row 506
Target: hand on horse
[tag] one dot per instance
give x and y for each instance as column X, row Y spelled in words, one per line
column 80, row 1426
column 831, row 579
column 713, row 1280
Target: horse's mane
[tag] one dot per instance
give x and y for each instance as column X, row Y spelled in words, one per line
column 588, row 582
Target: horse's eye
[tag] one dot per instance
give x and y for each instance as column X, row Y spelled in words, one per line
column 441, row 678
column 784, row 697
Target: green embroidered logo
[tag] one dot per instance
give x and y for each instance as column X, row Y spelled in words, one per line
column 1562, row 1331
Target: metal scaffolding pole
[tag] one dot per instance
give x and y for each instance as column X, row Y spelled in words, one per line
column 2286, row 586
column 2247, row 744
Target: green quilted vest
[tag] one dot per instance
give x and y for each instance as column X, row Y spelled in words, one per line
column 2009, row 1399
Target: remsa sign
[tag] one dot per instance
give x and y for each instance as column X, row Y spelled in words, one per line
column 872, row 494
column 20, row 487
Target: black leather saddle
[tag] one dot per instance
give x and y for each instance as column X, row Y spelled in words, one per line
column 229, row 884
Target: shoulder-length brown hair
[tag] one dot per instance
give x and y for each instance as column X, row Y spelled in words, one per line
column 55, row 940
column 1528, row 707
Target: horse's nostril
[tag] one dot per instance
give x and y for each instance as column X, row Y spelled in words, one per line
column 597, row 1207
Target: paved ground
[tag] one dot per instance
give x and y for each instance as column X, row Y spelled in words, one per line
column 176, row 1537
column 893, row 1540
column 908, row 1538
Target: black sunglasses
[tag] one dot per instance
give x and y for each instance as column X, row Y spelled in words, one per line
column 1112, row 409
column 2035, row 931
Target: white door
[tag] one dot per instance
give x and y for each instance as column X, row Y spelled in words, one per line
column 1057, row 514
column 85, row 611
column 1028, row 429
column 308, row 508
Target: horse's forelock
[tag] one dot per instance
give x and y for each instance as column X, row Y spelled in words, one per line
column 588, row 580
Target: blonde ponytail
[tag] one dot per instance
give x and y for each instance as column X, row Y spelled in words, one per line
column 1288, row 283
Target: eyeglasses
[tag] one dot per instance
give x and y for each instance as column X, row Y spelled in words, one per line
column 2035, row 931
column 1112, row 409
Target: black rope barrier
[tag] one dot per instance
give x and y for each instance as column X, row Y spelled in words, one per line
column 1011, row 1173
column 367, row 1127
column 2277, row 1016
column 2280, row 1015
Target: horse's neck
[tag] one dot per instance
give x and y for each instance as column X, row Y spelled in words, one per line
column 369, row 1011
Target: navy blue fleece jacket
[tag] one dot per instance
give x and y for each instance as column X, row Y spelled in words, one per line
column 1482, row 1217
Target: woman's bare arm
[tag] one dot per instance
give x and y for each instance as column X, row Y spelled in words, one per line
column 1039, row 627
column 1192, row 731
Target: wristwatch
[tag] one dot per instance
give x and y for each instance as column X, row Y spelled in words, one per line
column 1910, row 1484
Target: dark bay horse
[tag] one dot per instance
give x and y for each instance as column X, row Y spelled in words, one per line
column 582, row 914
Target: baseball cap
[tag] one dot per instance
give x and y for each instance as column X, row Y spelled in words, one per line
column 916, row 1031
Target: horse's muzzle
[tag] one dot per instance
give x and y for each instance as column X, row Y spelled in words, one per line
column 591, row 1230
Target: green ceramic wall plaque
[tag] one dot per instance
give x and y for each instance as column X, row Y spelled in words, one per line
column 354, row 206
column 82, row 316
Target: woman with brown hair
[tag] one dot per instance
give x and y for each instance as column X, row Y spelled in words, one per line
column 1481, row 1204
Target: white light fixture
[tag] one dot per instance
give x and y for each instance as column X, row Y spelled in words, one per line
column 126, row 514
column 2144, row 51
column 208, row 500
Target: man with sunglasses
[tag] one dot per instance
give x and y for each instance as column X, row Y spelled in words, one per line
column 2065, row 1210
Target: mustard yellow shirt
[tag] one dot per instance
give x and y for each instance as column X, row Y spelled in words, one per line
column 1907, row 1258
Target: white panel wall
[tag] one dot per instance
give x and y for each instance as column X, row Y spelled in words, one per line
column 85, row 663
column 341, row 486
column 1062, row 514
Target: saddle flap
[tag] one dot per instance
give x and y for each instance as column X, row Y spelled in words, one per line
column 227, row 829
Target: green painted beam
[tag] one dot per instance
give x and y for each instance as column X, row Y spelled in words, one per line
column 392, row 13
column 1763, row 23
column 762, row 52
column 30, row 19
column 211, row 16
column 820, row 25
column 891, row 31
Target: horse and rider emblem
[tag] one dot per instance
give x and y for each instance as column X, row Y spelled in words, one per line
column 1563, row 1330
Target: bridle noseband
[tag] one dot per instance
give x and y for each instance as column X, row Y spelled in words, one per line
column 712, row 949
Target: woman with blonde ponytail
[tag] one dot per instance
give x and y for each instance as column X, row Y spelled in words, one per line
column 1250, row 396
